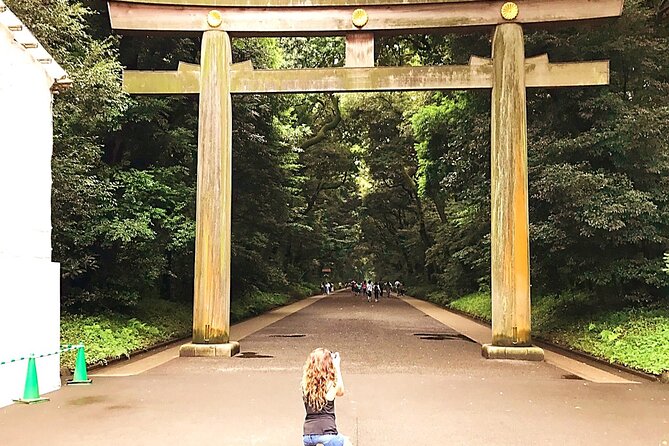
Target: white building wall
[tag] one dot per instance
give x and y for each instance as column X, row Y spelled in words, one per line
column 29, row 281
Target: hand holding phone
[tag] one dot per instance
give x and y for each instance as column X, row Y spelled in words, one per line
column 336, row 359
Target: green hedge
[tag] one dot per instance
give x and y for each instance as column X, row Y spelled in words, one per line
column 430, row 293
column 255, row 304
column 637, row 338
column 110, row 336
column 260, row 302
column 478, row 305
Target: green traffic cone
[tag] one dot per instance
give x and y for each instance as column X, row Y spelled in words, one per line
column 80, row 375
column 31, row 390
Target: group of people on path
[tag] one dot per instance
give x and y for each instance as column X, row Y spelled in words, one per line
column 327, row 287
column 376, row 289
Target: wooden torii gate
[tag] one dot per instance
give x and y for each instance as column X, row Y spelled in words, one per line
column 508, row 74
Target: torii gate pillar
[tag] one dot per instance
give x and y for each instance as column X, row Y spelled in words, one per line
column 510, row 245
column 211, row 311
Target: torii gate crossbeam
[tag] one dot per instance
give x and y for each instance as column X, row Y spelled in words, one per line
column 508, row 74
column 477, row 75
column 252, row 18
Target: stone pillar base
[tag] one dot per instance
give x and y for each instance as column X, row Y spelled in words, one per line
column 210, row 350
column 531, row 353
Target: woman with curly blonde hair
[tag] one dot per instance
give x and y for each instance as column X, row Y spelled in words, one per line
column 321, row 383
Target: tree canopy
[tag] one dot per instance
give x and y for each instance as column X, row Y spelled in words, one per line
column 383, row 186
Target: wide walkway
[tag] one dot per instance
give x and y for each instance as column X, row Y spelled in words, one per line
column 410, row 380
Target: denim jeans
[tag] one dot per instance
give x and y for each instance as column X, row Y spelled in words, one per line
column 326, row 440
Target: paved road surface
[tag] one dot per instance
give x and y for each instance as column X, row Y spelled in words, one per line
column 403, row 388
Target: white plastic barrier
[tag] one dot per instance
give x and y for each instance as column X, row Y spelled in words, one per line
column 29, row 281
column 29, row 324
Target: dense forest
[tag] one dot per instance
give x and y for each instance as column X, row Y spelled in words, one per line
column 385, row 186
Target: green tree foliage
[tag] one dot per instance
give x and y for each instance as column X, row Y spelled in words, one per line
column 322, row 226
column 453, row 137
column 597, row 155
column 125, row 168
column 396, row 221
column 83, row 116
column 599, row 164
column 395, row 185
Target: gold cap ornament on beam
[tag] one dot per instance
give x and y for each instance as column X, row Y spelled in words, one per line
column 360, row 18
column 509, row 10
column 214, row 18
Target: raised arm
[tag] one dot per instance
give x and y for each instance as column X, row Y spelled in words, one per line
column 336, row 360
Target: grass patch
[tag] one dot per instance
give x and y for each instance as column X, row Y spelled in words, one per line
column 110, row 336
column 422, row 291
column 431, row 293
column 635, row 337
column 255, row 304
column 260, row 302
column 302, row 290
column 477, row 304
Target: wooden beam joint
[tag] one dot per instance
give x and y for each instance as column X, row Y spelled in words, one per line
column 360, row 50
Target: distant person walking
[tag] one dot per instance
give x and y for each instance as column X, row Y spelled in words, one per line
column 321, row 383
column 399, row 288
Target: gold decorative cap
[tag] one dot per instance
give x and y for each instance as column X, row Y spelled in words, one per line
column 359, row 18
column 509, row 10
column 214, row 18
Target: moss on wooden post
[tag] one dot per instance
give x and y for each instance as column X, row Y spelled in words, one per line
column 211, row 312
column 509, row 201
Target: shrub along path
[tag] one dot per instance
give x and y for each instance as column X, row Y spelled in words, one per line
column 637, row 338
column 410, row 380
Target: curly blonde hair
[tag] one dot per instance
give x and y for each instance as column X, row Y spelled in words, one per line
column 318, row 374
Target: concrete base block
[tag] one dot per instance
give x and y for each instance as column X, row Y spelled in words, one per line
column 210, row 350
column 532, row 353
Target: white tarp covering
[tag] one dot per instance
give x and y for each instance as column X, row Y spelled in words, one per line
column 29, row 281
